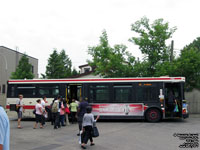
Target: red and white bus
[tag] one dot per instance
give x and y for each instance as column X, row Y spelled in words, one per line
column 125, row 98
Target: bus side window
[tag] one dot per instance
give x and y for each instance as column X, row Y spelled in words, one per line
column 49, row 90
column 147, row 92
column 99, row 93
column 27, row 90
column 122, row 93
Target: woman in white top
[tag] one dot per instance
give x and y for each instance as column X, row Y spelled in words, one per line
column 38, row 114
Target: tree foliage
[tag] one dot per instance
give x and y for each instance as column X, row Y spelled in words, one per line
column 59, row 65
column 194, row 44
column 188, row 65
column 75, row 72
column 152, row 41
column 23, row 70
column 110, row 61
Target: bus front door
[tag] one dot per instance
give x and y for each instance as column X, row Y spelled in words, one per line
column 73, row 91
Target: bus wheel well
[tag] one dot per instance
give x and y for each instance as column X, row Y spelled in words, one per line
column 153, row 114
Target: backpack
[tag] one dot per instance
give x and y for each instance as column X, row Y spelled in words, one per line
column 54, row 107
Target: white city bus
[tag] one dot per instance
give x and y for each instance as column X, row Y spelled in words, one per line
column 122, row 98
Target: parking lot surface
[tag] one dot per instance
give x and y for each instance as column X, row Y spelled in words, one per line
column 114, row 135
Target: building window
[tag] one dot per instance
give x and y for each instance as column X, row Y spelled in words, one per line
column 86, row 70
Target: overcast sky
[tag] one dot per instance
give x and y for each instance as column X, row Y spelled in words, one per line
column 38, row 26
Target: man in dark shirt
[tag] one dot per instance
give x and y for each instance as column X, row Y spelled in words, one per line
column 81, row 111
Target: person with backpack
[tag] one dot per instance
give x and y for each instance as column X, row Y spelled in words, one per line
column 56, row 110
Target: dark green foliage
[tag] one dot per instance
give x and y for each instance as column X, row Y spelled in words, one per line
column 59, row 65
column 75, row 72
column 194, row 44
column 24, row 69
column 188, row 65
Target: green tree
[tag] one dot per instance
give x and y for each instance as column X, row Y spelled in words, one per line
column 108, row 61
column 65, row 60
column 152, row 41
column 23, row 70
column 188, row 65
column 194, row 44
column 75, row 72
column 59, row 65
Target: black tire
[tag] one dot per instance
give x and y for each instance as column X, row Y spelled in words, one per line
column 153, row 115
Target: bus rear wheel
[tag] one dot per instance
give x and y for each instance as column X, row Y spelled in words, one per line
column 153, row 115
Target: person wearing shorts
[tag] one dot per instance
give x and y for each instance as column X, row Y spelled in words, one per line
column 20, row 105
column 38, row 114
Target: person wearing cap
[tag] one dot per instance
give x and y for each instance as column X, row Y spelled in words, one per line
column 20, row 105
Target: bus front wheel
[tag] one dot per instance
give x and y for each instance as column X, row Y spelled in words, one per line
column 153, row 115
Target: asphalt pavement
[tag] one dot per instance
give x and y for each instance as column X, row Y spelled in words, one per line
column 114, row 135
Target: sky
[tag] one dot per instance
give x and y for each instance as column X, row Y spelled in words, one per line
column 36, row 27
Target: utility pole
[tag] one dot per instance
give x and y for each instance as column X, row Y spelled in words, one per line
column 172, row 50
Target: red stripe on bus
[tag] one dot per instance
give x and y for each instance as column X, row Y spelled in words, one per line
column 25, row 107
column 78, row 80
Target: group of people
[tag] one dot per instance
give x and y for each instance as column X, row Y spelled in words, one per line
column 58, row 117
column 60, row 110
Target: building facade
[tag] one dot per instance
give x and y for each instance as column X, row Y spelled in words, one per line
column 9, row 60
column 87, row 71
